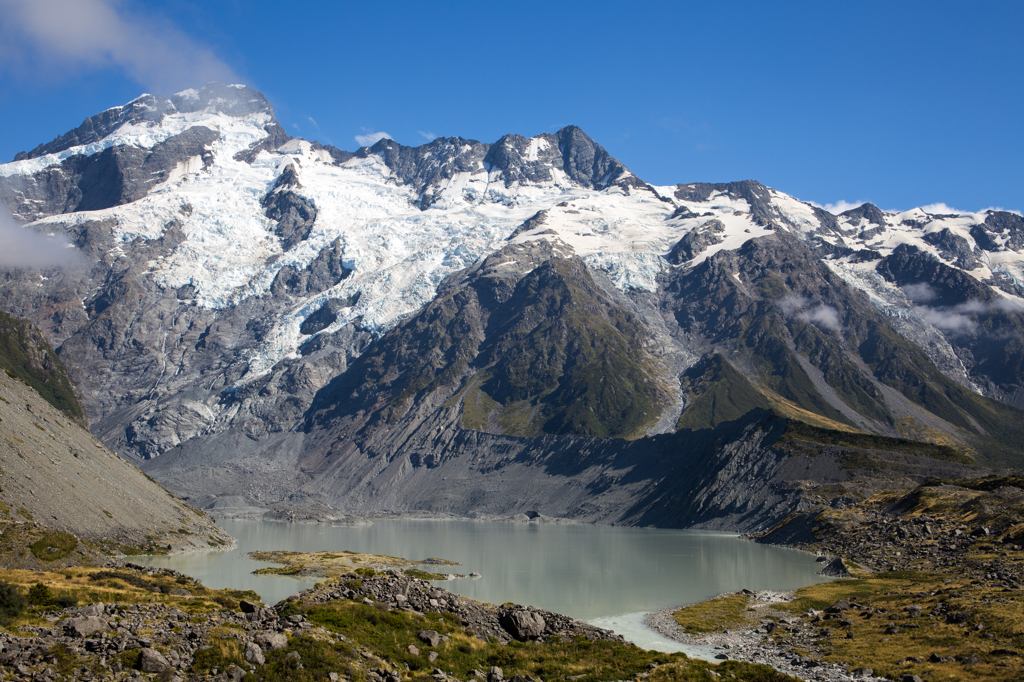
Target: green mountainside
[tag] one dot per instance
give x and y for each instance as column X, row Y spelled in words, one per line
column 546, row 352
column 26, row 355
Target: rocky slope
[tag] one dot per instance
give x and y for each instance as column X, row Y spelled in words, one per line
column 55, row 473
column 421, row 328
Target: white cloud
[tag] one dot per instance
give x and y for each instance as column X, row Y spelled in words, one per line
column 839, row 206
column 940, row 208
column 369, row 139
column 947, row 320
column 824, row 316
column 957, row 318
column 23, row 247
column 429, row 137
column 65, row 36
column 818, row 314
column 921, row 292
column 313, row 121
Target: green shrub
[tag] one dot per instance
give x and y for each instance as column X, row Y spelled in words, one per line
column 39, row 595
column 12, row 602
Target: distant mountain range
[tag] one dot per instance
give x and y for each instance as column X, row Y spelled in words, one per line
column 517, row 327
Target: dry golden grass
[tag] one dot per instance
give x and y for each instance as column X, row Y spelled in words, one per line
column 721, row 613
column 999, row 613
column 330, row 564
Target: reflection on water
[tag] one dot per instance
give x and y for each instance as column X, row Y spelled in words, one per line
column 582, row 570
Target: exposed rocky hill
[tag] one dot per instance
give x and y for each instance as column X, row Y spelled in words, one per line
column 53, row 472
column 429, row 328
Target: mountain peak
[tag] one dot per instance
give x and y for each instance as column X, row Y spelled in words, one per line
column 146, row 109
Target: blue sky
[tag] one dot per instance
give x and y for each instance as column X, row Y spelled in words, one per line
column 898, row 103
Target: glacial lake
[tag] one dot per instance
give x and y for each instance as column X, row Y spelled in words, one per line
column 607, row 575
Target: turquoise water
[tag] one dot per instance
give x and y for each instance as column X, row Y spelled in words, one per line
column 597, row 573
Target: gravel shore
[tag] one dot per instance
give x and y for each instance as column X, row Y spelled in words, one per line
column 752, row 644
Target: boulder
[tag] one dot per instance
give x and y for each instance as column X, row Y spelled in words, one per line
column 431, row 637
column 85, row 627
column 522, row 624
column 152, row 661
column 254, row 654
column 270, row 640
column 248, row 606
column 836, row 569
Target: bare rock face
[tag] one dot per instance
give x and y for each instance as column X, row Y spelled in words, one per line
column 696, row 242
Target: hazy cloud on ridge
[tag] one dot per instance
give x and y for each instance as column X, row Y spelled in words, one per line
column 23, row 247
column 818, row 314
column 62, row 35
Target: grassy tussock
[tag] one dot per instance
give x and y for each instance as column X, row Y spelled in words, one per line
column 721, row 613
column 54, row 546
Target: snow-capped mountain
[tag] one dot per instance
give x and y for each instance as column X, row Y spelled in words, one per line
column 266, row 316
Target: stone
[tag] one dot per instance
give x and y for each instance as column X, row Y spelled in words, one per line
column 862, row 672
column 522, row 624
column 234, row 673
column 432, row 656
column 414, row 650
column 431, row 637
column 495, row 675
column 838, row 607
column 254, row 654
column 178, row 592
column 911, row 678
column 270, row 640
column 152, row 661
column 248, row 606
column 85, row 627
column 92, row 609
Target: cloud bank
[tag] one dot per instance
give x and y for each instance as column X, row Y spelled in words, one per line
column 71, row 35
column 955, row 318
column 23, row 247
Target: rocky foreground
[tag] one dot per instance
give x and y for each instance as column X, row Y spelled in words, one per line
column 372, row 627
